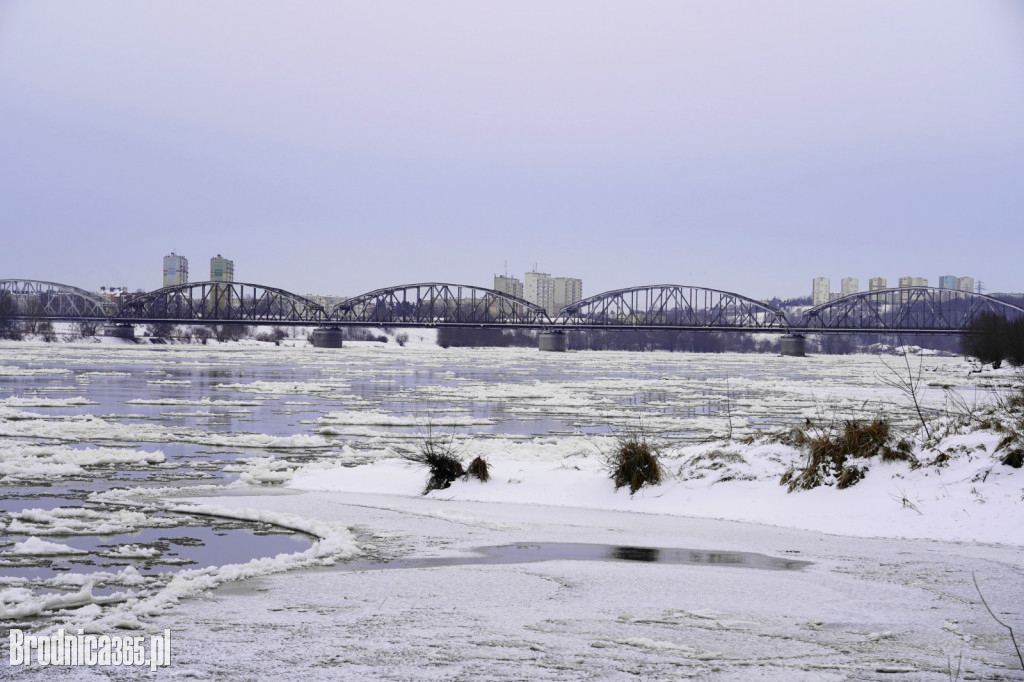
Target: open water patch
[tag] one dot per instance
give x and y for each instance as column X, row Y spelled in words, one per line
column 533, row 552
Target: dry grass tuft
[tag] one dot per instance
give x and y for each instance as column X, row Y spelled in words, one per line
column 439, row 455
column 478, row 469
column 444, row 467
column 830, row 453
column 634, row 462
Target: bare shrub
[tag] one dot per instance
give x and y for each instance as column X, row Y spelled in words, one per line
column 439, row 454
column 230, row 332
column 1013, row 458
column 633, row 461
column 831, row 453
column 910, row 385
column 202, row 334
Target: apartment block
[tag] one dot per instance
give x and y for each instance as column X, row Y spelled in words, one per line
column 540, row 289
column 175, row 270
column 508, row 285
column 222, row 269
column 965, row 284
column 566, row 290
column 820, row 290
column 850, row 286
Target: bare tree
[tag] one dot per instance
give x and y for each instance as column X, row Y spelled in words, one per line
column 909, row 385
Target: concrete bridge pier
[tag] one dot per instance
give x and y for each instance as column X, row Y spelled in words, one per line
column 794, row 345
column 553, row 341
column 119, row 331
column 327, row 337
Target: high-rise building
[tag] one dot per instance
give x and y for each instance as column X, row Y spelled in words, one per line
column 820, row 290
column 965, row 284
column 222, row 269
column 566, row 290
column 508, row 285
column 908, row 282
column 876, row 284
column 850, row 286
column 540, row 289
column 175, row 270
column 947, row 282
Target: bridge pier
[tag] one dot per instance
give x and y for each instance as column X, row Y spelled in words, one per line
column 119, row 331
column 327, row 337
column 794, row 345
column 553, row 341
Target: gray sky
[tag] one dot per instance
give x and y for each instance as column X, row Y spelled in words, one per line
column 336, row 147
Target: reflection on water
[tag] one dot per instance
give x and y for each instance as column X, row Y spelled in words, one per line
column 574, row 551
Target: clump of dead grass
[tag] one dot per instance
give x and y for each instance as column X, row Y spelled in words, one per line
column 478, row 469
column 838, row 456
column 440, row 455
column 633, row 461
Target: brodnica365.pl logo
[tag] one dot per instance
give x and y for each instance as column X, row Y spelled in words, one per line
column 81, row 649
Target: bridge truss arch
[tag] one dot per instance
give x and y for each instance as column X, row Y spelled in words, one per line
column 672, row 306
column 439, row 304
column 30, row 298
column 221, row 302
column 908, row 310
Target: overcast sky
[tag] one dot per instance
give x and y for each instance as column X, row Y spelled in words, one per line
column 336, row 147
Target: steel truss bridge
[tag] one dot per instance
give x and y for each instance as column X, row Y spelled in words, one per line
column 913, row 310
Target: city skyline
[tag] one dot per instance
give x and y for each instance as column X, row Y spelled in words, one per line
column 340, row 148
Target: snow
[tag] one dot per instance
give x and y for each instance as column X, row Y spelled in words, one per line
column 37, row 547
column 15, row 401
column 91, row 427
column 279, row 387
column 25, row 462
column 887, row 592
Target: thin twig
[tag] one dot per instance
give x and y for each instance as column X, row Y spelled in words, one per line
column 949, row 666
column 989, row 609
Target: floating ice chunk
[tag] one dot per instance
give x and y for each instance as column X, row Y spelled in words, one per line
column 92, row 428
column 25, row 462
column 20, row 602
column 7, row 371
column 15, row 401
column 199, row 402
column 38, row 547
column 82, row 521
column 279, row 387
column 373, row 418
column 132, row 552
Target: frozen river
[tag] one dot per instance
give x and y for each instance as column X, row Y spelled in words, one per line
column 78, row 421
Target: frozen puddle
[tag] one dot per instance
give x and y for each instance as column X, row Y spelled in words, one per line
column 522, row 553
